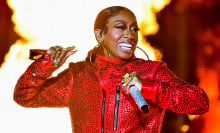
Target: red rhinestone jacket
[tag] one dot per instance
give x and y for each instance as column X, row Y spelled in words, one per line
column 96, row 101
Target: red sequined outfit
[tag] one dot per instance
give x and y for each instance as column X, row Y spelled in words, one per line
column 90, row 94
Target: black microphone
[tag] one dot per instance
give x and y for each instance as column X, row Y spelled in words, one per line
column 136, row 95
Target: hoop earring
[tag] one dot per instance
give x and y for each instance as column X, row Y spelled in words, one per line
column 144, row 52
column 90, row 58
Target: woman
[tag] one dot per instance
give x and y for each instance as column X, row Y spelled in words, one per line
column 92, row 91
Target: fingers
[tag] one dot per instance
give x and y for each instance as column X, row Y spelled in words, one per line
column 135, row 80
column 70, row 48
column 60, row 54
column 66, row 56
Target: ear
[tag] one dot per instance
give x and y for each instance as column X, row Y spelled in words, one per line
column 98, row 35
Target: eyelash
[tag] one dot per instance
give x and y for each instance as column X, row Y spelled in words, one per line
column 135, row 29
column 120, row 27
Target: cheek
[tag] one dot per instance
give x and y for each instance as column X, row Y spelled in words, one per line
column 114, row 35
column 136, row 38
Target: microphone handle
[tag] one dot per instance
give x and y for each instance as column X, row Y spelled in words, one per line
column 37, row 54
column 140, row 101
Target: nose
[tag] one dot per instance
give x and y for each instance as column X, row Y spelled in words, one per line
column 128, row 34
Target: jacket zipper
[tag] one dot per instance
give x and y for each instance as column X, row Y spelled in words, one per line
column 103, row 110
column 117, row 99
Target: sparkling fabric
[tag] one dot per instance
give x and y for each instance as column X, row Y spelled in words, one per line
column 80, row 88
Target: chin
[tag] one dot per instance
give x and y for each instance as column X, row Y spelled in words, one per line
column 125, row 57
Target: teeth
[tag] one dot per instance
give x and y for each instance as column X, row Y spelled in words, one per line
column 125, row 45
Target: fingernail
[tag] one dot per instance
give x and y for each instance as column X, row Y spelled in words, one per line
column 71, row 52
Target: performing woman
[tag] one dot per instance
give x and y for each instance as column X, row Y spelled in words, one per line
column 92, row 89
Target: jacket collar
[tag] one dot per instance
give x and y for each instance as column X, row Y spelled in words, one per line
column 104, row 62
column 99, row 61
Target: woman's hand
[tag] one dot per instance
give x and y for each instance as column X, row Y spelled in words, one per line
column 135, row 80
column 60, row 54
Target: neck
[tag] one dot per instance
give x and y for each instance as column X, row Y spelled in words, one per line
column 107, row 52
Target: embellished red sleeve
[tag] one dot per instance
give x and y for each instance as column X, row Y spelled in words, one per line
column 149, row 89
column 177, row 95
column 35, row 89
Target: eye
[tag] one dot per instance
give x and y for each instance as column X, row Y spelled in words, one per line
column 120, row 26
column 134, row 29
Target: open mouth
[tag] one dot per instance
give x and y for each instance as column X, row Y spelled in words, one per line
column 126, row 47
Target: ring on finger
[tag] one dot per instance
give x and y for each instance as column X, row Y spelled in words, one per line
column 56, row 62
column 64, row 49
column 56, row 48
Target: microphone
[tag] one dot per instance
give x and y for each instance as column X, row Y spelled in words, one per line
column 136, row 95
column 37, row 54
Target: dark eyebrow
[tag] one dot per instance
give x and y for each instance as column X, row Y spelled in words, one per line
column 122, row 21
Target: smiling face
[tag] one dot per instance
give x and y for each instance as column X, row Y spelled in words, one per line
column 121, row 36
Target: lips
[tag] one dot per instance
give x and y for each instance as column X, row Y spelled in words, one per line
column 125, row 47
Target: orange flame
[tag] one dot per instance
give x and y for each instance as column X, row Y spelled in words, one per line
column 45, row 23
